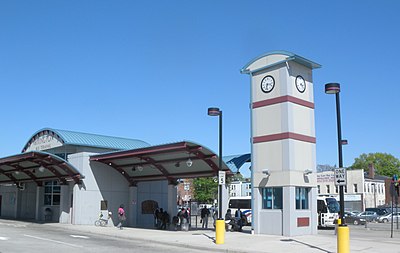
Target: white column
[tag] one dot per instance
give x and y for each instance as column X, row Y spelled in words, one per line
column 172, row 200
column 17, row 205
column 133, row 206
column 225, row 199
column 65, row 204
column 39, row 203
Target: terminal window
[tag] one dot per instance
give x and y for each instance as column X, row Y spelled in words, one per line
column 302, row 197
column 272, row 198
column 52, row 192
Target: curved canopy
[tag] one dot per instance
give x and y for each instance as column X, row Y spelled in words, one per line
column 36, row 166
column 169, row 161
column 234, row 162
column 49, row 137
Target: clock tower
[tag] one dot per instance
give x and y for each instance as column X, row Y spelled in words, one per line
column 284, row 188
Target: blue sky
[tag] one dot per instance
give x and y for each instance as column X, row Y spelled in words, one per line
column 150, row 69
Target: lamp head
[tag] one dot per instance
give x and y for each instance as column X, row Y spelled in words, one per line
column 266, row 172
column 214, row 111
column 307, row 172
column 189, row 162
column 332, row 88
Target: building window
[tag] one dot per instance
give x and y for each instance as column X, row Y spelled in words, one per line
column 328, row 190
column 336, row 189
column 272, row 198
column 52, row 192
column 355, row 188
column 345, row 189
column 319, row 189
column 302, row 197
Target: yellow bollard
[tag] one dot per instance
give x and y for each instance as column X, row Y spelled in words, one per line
column 343, row 239
column 219, row 232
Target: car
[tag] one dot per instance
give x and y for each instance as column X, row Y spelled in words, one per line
column 379, row 210
column 354, row 219
column 368, row 215
column 351, row 213
column 388, row 217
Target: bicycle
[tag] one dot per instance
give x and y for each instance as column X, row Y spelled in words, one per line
column 101, row 221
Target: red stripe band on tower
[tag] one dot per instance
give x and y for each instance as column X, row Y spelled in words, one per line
column 283, row 136
column 283, row 99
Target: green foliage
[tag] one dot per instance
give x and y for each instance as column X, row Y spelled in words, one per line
column 385, row 164
column 205, row 189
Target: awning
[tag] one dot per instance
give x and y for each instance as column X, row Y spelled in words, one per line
column 163, row 162
column 37, row 167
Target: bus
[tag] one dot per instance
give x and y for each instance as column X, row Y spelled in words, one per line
column 328, row 210
column 245, row 206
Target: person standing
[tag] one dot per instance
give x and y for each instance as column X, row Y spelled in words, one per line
column 121, row 216
column 239, row 218
column 204, row 216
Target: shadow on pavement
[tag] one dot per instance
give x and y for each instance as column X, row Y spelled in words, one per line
column 306, row 244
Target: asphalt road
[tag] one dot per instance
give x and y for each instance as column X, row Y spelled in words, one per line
column 372, row 231
column 31, row 237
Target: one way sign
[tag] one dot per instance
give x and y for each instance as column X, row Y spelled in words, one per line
column 340, row 176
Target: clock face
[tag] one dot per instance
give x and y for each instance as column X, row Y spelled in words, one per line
column 267, row 84
column 300, row 84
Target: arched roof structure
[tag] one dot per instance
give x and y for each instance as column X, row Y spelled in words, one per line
column 36, row 166
column 163, row 162
column 64, row 137
column 280, row 57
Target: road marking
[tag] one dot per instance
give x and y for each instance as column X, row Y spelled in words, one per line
column 3, row 238
column 80, row 236
column 49, row 240
column 13, row 225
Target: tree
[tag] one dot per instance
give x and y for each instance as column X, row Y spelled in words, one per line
column 385, row 164
column 205, row 189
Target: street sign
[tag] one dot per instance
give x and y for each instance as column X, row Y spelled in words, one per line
column 221, row 177
column 340, row 176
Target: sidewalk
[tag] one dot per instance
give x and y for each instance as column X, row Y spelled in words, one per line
column 239, row 242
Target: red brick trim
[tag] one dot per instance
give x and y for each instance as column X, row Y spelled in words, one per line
column 303, row 221
column 283, row 136
column 283, row 99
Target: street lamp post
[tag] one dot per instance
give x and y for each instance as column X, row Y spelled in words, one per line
column 220, row 224
column 334, row 88
column 343, row 231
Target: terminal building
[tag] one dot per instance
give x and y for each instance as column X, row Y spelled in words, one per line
column 72, row 177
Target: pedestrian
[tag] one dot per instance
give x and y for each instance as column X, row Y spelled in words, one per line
column 159, row 218
column 183, row 217
column 156, row 214
column 238, row 217
column 121, row 216
column 204, row 217
column 165, row 220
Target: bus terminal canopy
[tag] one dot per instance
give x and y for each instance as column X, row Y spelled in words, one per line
column 38, row 167
column 163, row 162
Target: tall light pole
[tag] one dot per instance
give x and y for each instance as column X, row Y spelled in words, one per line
column 220, row 223
column 334, row 88
column 213, row 111
column 343, row 231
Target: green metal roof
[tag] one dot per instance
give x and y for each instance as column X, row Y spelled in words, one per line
column 289, row 57
column 89, row 140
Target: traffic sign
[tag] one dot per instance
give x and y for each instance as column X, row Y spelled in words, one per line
column 340, row 176
column 221, row 177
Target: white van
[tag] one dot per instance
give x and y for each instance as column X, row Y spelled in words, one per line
column 245, row 206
